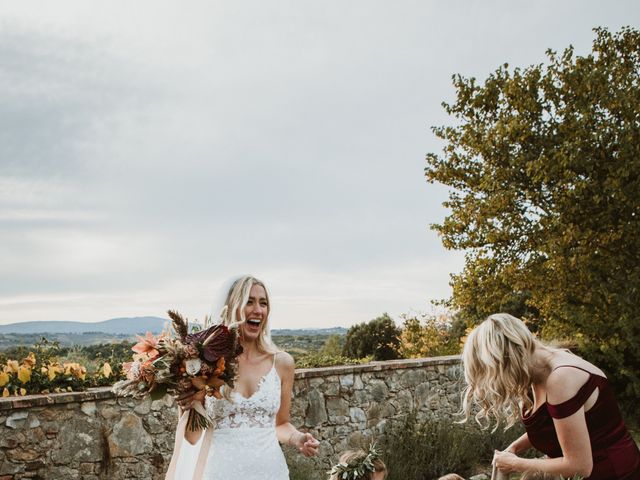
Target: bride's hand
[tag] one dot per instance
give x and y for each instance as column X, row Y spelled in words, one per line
column 307, row 445
column 187, row 401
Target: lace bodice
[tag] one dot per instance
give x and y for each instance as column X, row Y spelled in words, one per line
column 259, row 410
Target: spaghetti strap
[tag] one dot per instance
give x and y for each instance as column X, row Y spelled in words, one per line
column 274, row 359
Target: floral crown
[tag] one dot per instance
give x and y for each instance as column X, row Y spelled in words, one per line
column 356, row 469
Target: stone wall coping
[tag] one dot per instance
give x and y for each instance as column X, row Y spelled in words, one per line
column 377, row 366
column 102, row 393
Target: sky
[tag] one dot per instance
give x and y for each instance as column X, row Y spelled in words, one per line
column 150, row 151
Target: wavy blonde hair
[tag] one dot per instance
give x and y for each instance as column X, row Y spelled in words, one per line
column 497, row 359
column 233, row 311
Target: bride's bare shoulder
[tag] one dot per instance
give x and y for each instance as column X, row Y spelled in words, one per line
column 284, row 362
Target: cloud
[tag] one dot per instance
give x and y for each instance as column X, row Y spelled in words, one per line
column 149, row 152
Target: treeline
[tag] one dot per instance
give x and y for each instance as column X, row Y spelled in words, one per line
column 420, row 335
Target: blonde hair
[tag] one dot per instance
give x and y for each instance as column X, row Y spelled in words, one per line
column 451, row 476
column 351, row 457
column 497, row 360
column 233, row 311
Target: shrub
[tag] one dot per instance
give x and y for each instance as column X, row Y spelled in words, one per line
column 425, row 450
column 430, row 335
column 380, row 337
column 42, row 371
column 316, row 360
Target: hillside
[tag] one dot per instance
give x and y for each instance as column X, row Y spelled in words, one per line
column 118, row 329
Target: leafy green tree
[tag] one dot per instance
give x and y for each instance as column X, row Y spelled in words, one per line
column 379, row 337
column 430, row 336
column 332, row 346
column 544, row 169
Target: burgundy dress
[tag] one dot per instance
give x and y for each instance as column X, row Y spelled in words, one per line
column 615, row 454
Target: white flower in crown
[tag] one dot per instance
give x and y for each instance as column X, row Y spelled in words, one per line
column 193, row 366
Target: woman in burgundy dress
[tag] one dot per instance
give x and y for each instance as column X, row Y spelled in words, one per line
column 566, row 404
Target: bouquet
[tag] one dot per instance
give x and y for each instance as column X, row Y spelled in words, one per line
column 182, row 363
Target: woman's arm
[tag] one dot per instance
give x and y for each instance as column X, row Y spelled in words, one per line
column 572, row 432
column 186, row 402
column 287, row 433
column 520, row 444
column 576, row 452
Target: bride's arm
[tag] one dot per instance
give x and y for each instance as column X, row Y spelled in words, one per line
column 287, row 433
column 186, row 402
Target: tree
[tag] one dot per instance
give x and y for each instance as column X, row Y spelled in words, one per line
column 379, row 338
column 430, row 336
column 332, row 346
column 544, row 165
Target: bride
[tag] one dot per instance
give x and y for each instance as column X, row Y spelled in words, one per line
column 249, row 421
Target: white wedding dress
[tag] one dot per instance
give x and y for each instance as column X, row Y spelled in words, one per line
column 244, row 443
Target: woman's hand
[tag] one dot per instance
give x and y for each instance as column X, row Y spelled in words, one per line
column 306, row 444
column 188, row 400
column 505, row 461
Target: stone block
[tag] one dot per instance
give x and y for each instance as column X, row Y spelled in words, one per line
column 88, row 408
column 315, row 382
column 337, row 406
column 79, row 440
column 109, row 412
column 22, row 455
column 129, row 438
column 36, row 464
column 154, row 425
column 421, row 394
column 316, row 411
column 346, row 381
column 8, row 468
column 378, row 390
column 9, row 441
column 143, row 407
column 357, row 415
column 331, row 388
column 17, row 419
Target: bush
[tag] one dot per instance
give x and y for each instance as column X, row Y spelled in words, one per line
column 379, row 338
column 43, row 370
column 317, row 360
column 426, row 450
column 430, row 335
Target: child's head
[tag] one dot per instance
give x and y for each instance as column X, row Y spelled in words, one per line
column 451, row 476
column 359, row 465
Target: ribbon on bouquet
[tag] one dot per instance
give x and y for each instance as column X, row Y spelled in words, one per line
column 497, row 474
column 183, row 417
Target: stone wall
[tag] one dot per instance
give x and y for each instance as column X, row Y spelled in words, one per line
column 93, row 435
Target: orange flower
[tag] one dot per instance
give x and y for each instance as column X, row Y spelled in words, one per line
column 219, row 367
column 24, row 374
column 106, row 370
column 30, row 361
column 12, row 366
column 147, row 344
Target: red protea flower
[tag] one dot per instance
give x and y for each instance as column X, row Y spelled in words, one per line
column 217, row 341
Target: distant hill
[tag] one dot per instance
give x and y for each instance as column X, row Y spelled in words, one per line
column 296, row 332
column 115, row 326
column 131, row 326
